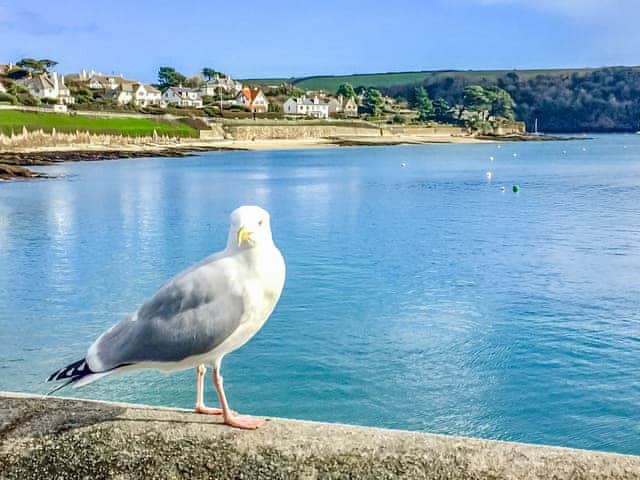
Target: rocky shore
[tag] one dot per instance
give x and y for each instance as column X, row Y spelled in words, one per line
column 13, row 164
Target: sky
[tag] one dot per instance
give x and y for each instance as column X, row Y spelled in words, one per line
column 251, row 39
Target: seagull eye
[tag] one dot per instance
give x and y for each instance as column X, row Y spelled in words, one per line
column 260, row 223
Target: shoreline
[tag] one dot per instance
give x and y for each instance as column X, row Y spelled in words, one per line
column 14, row 163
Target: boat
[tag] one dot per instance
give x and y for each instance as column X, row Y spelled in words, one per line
column 535, row 129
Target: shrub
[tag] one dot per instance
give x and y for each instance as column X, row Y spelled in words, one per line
column 27, row 99
column 211, row 111
column 8, row 98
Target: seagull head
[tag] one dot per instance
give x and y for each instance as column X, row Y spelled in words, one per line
column 250, row 227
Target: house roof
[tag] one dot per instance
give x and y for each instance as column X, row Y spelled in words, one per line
column 151, row 89
column 181, row 90
column 251, row 93
column 5, row 67
column 40, row 81
column 308, row 101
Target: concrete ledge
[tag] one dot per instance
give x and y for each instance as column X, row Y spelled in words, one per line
column 63, row 438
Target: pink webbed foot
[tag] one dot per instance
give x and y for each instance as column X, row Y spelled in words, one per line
column 208, row 410
column 211, row 411
column 245, row 423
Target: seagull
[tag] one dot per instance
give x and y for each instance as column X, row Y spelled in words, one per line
column 197, row 317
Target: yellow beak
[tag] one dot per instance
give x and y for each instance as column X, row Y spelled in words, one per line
column 243, row 235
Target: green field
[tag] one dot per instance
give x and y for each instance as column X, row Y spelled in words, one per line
column 14, row 120
column 331, row 82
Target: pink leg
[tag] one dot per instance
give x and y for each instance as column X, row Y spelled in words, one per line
column 230, row 417
column 200, row 408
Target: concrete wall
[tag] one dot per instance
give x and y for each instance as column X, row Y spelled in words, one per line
column 275, row 131
column 215, row 133
column 56, row 438
column 269, row 132
column 427, row 131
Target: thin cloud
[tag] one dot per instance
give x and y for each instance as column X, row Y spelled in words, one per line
column 29, row 22
column 576, row 9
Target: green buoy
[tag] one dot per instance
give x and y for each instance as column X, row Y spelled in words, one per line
column 515, row 188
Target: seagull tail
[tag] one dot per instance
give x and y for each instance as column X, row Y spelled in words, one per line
column 77, row 374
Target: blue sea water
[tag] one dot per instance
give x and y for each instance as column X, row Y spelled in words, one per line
column 421, row 297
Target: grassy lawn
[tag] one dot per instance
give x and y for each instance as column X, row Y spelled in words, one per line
column 14, row 120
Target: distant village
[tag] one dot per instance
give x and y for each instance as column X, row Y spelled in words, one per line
column 211, row 91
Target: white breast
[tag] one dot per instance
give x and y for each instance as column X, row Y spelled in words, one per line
column 262, row 285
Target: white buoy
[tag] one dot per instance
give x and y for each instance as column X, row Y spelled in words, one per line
column 403, row 164
column 502, row 188
column 584, row 149
column 515, row 154
column 491, row 158
column 499, row 146
column 624, row 147
column 564, row 152
column 489, row 175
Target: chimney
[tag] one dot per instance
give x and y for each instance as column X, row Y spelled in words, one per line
column 55, row 80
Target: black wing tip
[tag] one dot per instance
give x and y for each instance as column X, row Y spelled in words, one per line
column 74, row 372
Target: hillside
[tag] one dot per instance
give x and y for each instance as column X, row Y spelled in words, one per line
column 391, row 79
column 603, row 99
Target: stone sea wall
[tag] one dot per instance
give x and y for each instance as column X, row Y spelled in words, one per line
column 294, row 132
column 274, row 131
column 63, row 438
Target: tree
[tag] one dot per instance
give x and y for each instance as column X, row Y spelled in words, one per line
column 346, row 90
column 208, row 73
column 418, row 94
column 441, row 110
column 36, row 66
column 297, row 92
column 422, row 103
column 46, row 64
column 169, row 77
column 29, row 64
column 373, row 102
column 192, row 82
column 500, row 102
column 477, row 99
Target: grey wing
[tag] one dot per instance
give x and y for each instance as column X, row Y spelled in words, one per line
column 190, row 315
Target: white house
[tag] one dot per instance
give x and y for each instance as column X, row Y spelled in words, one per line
column 346, row 106
column 105, row 82
column 139, row 94
column 48, row 85
column 2, row 88
column 154, row 96
column 96, row 80
column 5, row 68
column 217, row 83
column 122, row 96
column 182, row 97
column 311, row 107
column 252, row 99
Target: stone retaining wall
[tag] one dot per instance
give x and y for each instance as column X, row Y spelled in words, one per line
column 63, row 438
column 272, row 132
